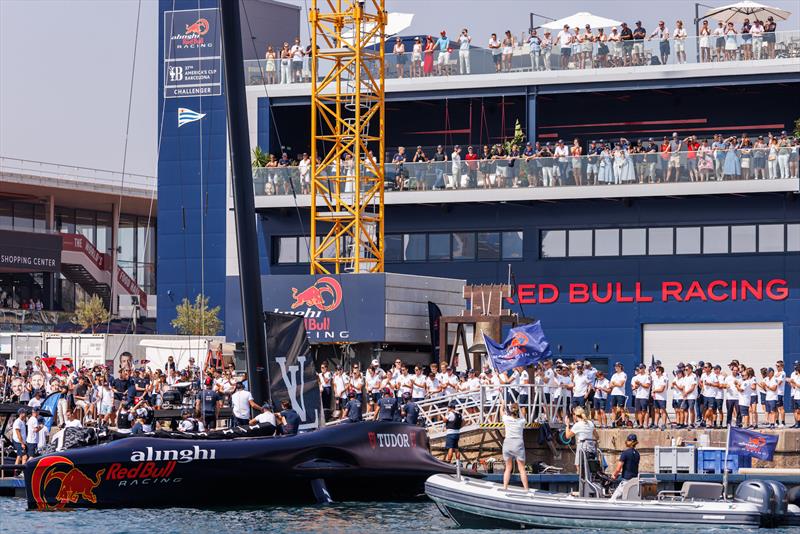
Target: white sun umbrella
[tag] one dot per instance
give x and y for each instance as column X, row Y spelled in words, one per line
column 739, row 11
column 395, row 23
column 580, row 20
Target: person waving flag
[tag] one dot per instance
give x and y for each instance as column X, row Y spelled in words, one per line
column 523, row 346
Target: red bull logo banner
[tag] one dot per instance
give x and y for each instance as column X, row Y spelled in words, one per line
column 192, row 53
column 752, row 443
column 333, row 307
column 56, row 483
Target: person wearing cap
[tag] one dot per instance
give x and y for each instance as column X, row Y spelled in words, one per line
column 732, row 395
column 452, row 422
column 780, row 376
column 580, row 387
column 674, row 162
column 584, row 432
column 770, row 386
column 717, row 395
column 601, row 388
column 690, row 390
column 399, row 160
column 420, row 170
column 209, row 403
column 639, row 35
column 352, row 412
column 745, row 387
column 409, row 411
column 19, row 434
column 705, row 397
column 241, row 402
column 189, row 423
column 535, row 48
column 626, row 36
column 627, row 467
column 794, row 382
column 439, row 158
column 618, row 397
column 443, row 61
column 471, row 159
column 659, row 384
column 454, row 181
column 662, row 32
column 388, row 406
column 464, row 41
column 399, row 52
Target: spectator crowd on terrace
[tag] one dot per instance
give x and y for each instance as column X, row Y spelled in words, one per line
column 567, row 48
column 702, row 394
column 672, row 158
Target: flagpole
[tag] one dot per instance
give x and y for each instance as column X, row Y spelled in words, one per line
column 725, row 466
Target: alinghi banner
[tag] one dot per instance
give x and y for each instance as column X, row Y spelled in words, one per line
column 291, row 367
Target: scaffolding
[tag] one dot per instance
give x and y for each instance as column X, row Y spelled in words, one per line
column 347, row 123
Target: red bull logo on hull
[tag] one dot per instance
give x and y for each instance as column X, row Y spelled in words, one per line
column 73, row 484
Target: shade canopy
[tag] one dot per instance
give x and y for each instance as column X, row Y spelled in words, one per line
column 395, row 23
column 739, row 11
column 580, row 20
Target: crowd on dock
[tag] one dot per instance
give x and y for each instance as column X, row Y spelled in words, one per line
column 702, row 394
column 567, row 48
column 674, row 158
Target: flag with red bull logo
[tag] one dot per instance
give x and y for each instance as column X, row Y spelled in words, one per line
column 523, row 346
column 750, row 442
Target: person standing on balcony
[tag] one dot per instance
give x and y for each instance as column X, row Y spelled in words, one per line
column 286, row 60
column 662, row 32
column 704, row 43
column 562, row 155
column 494, row 47
column 399, row 161
column 757, row 31
column 615, row 47
column 747, row 40
column 769, row 36
column 674, row 162
column 639, row 35
column 419, row 169
column 472, row 167
column 427, row 67
column 297, row 61
column 455, row 182
column 443, row 61
column 439, row 158
column 400, row 57
column 719, row 40
column 269, row 67
column 535, row 45
column 680, row 41
column 626, row 36
column 564, row 39
column 587, row 47
column 547, row 49
column 784, row 154
column 508, row 50
column 464, row 41
column 531, row 166
column 602, row 48
column 305, row 174
column 416, row 58
column 576, row 151
column 731, row 168
column 731, row 45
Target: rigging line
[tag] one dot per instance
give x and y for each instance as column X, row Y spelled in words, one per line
column 202, row 212
column 124, row 161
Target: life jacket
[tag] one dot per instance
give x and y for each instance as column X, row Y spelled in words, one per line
column 456, row 423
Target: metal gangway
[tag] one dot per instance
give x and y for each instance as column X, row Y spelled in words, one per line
column 482, row 409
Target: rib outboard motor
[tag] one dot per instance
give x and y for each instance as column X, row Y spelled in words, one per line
column 768, row 495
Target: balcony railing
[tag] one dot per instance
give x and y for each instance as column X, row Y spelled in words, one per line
column 608, row 168
column 597, row 54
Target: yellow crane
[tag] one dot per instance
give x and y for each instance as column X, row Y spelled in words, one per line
column 347, row 124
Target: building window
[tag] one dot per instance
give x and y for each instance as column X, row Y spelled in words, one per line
column 715, row 240
column 512, row 245
column 634, row 241
column 6, row 215
column 687, row 240
column 743, row 238
column 287, row 250
column 770, row 237
column 438, row 247
column 414, row 247
column 579, row 243
column 488, row 245
column 463, row 246
column 393, row 248
column 606, row 242
column 659, row 242
column 304, row 249
column 793, row 237
column 554, row 244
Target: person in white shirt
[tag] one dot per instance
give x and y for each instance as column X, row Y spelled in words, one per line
column 266, row 416
column 373, row 381
column 640, row 386
column 663, row 41
column 523, row 390
column 564, row 39
column 580, row 388
column 32, row 437
column 678, row 397
column 680, row 36
column 585, row 434
column 690, row 392
column 241, row 402
column 419, row 386
column 433, row 388
column 744, row 386
column 732, row 396
column 404, row 382
column 490, row 378
column 451, row 381
column 495, row 47
column 713, row 388
column 770, row 386
column 618, row 397
column 463, row 51
column 602, row 387
column 794, row 381
column 455, row 157
column 325, row 379
column 658, row 388
column 341, row 382
column 19, row 434
column 304, row 167
column 780, row 376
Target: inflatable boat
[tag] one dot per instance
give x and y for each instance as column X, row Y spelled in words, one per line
column 369, row 461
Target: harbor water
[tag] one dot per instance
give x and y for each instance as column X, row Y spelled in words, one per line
column 344, row 517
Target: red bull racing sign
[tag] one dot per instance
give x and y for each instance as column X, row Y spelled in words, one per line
column 334, row 307
column 192, row 53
